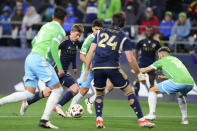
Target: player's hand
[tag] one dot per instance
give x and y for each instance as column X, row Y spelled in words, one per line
column 46, row 91
column 75, row 71
column 85, row 76
column 60, row 73
column 142, row 70
column 142, row 78
column 132, row 71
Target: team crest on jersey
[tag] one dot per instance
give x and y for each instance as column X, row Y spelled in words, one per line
column 154, row 45
column 144, row 45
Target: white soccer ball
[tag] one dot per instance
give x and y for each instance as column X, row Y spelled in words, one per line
column 76, row 111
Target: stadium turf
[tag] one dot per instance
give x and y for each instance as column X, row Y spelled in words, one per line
column 117, row 117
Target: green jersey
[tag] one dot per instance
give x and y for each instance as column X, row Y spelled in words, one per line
column 46, row 42
column 174, row 69
column 85, row 48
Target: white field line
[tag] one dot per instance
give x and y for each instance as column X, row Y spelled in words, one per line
column 28, row 116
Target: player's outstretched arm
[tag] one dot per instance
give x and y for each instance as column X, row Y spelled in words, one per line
column 89, row 59
column 146, row 69
column 132, row 61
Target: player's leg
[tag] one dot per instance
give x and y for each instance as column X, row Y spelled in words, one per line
column 38, row 95
column 30, row 86
column 100, row 78
column 84, row 88
column 152, row 101
column 119, row 79
column 136, row 87
column 67, row 81
column 182, row 102
column 45, row 72
column 92, row 96
column 151, row 79
column 183, row 107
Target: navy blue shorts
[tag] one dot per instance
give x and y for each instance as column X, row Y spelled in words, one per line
column 67, row 80
column 116, row 76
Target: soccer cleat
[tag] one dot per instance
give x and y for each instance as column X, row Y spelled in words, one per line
column 59, row 111
column 146, row 123
column 89, row 106
column 46, row 124
column 24, row 106
column 99, row 122
column 68, row 113
column 150, row 117
column 184, row 121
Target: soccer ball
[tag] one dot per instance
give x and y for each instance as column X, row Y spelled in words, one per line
column 76, row 111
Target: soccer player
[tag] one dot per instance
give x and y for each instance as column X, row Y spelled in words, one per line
column 107, row 45
column 68, row 50
column 45, row 44
column 178, row 80
column 85, row 86
column 148, row 47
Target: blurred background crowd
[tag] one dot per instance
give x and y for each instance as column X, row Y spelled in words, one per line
column 174, row 21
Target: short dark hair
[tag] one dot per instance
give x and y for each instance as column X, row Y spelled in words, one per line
column 77, row 28
column 59, row 13
column 164, row 49
column 98, row 23
column 118, row 19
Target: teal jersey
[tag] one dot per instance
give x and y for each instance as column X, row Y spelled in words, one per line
column 174, row 69
column 85, row 48
column 47, row 41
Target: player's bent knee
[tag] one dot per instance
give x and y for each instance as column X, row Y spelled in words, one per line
column 99, row 100
column 29, row 95
column 74, row 89
column 58, row 90
column 153, row 89
column 83, row 91
column 131, row 101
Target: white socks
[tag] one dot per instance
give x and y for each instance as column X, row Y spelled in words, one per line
column 183, row 106
column 52, row 100
column 76, row 99
column 16, row 97
column 152, row 101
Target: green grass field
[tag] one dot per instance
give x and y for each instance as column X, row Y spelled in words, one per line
column 117, row 115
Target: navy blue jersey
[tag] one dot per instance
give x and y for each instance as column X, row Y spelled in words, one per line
column 68, row 53
column 110, row 44
column 148, row 50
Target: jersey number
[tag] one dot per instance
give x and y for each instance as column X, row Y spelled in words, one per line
column 107, row 40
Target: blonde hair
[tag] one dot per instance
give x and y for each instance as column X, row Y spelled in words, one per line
column 77, row 28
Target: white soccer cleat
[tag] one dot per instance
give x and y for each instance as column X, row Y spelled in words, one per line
column 184, row 121
column 146, row 123
column 150, row 117
column 99, row 122
column 68, row 113
column 24, row 106
column 59, row 111
column 89, row 106
column 47, row 124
